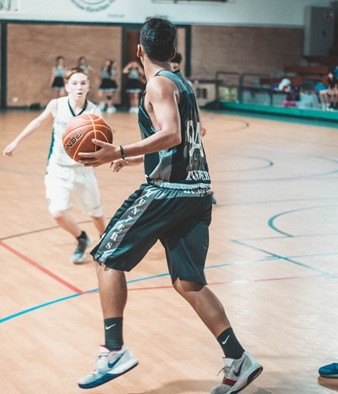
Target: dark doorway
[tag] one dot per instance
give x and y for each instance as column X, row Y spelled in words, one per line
column 130, row 39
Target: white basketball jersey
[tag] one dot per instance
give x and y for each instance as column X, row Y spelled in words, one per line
column 57, row 153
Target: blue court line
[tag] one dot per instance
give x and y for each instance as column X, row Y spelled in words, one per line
column 283, row 179
column 268, row 163
column 34, row 308
column 46, row 304
column 231, row 204
column 268, row 258
column 311, row 175
column 273, row 218
column 287, row 259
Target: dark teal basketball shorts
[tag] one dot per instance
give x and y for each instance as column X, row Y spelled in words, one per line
column 180, row 220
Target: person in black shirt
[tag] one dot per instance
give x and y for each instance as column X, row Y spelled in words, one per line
column 173, row 206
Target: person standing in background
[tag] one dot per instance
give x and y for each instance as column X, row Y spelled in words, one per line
column 108, row 86
column 82, row 63
column 135, row 84
column 57, row 76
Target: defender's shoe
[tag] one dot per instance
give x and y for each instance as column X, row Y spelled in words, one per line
column 238, row 374
column 329, row 371
column 80, row 251
column 109, row 365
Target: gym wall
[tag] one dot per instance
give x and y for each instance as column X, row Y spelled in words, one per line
column 31, row 53
column 32, row 48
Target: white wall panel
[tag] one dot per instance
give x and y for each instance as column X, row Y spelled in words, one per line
column 234, row 12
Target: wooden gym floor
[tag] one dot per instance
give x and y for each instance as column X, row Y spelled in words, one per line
column 272, row 262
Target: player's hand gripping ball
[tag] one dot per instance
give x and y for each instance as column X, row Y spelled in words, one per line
column 80, row 132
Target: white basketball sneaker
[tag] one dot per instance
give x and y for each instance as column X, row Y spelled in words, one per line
column 109, row 365
column 238, row 374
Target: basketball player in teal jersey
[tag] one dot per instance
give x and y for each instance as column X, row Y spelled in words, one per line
column 173, row 206
column 64, row 177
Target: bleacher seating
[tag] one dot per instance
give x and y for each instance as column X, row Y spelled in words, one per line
column 264, row 88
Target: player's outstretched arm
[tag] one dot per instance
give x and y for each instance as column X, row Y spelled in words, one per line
column 30, row 128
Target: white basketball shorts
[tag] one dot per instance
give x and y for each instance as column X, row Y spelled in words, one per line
column 79, row 182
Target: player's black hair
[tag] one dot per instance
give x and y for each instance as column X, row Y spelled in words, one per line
column 158, row 39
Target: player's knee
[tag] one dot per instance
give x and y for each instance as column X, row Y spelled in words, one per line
column 185, row 286
column 58, row 215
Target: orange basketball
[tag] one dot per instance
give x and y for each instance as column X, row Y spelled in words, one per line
column 80, row 132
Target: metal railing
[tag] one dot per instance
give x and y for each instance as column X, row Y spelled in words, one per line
column 226, row 80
